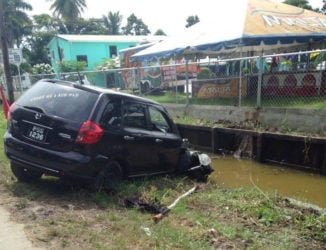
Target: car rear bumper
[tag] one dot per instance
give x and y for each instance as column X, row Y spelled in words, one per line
column 48, row 161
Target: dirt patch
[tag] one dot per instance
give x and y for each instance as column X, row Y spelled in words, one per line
column 12, row 233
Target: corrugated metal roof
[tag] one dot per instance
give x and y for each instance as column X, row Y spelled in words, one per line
column 103, row 38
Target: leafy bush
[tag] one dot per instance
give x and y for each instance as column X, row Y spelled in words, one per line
column 72, row 66
column 107, row 63
column 42, row 68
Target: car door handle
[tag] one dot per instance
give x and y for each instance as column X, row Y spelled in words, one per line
column 158, row 140
column 128, row 138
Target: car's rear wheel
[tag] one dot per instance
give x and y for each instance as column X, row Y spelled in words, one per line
column 24, row 174
column 109, row 177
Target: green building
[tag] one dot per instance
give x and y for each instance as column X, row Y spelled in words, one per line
column 91, row 48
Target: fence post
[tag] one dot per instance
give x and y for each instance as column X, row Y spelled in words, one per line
column 260, row 78
column 187, row 82
column 137, row 79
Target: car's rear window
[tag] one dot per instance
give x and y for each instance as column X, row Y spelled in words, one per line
column 59, row 100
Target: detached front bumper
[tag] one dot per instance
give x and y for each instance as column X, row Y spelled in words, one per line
column 200, row 166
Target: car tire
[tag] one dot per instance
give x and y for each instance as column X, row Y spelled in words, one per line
column 25, row 174
column 109, row 177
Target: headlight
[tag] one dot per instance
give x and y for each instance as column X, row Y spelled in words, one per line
column 204, row 159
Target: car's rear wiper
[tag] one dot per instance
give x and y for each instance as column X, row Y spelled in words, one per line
column 37, row 109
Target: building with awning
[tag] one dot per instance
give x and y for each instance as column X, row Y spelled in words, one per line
column 248, row 26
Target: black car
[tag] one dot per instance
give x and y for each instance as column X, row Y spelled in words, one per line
column 66, row 129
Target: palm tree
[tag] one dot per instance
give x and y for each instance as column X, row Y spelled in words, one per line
column 14, row 22
column 112, row 22
column 17, row 22
column 68, row 10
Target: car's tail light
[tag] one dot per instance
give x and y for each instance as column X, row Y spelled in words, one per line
column 89, row 133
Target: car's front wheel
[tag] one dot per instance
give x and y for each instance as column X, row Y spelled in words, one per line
column 109, row 176
column 25, row 174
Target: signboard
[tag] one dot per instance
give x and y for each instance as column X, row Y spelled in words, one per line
column 208, row 89
column 15, row 56
column 168, row 73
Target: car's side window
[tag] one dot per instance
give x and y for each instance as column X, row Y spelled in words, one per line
column 111, row 114
column 134, row 115
column 158, row 120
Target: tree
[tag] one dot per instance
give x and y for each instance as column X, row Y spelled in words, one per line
column 36, row 51
column 304, row 4
column 13, row 21
column 323, row 9
column 92, row 26
column 135, row 26
column 4, row 49
column 191, row 20
column 112, row 23
column 44, row 28
column 44, row 23
column 69, row 10
column 16, row 21
column 159, row 32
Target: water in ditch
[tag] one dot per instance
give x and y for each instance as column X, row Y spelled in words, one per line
column 230, row 172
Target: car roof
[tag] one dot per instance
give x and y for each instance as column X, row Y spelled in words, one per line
column 100, row 90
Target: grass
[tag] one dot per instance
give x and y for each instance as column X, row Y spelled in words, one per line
column 5, row 173
column 277, row 102
column 67, row 216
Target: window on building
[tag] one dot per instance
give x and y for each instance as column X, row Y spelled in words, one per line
column 82, row 58
column 113, row 51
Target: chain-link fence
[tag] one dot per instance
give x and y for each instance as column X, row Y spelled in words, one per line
column 279, row 80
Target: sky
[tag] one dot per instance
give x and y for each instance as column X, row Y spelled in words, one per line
column 168, row 15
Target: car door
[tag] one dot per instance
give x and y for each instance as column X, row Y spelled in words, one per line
column 137, row 138
column 166, row 140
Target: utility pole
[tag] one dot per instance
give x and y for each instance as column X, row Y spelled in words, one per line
column 4, row 46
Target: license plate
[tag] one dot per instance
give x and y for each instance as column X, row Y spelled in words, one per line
column 37, row 133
